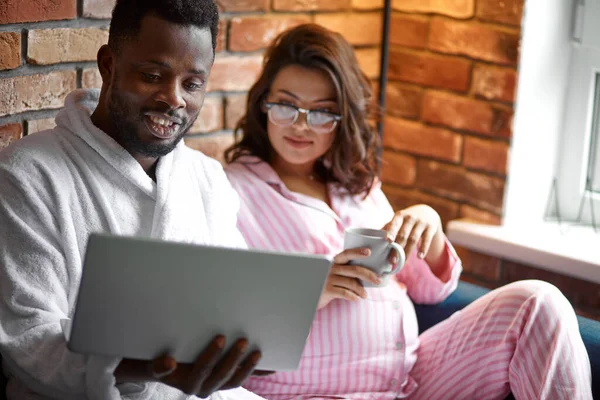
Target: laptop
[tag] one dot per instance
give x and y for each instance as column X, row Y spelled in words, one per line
column 141, row 298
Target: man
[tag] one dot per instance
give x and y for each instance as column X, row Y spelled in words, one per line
column 115, row 163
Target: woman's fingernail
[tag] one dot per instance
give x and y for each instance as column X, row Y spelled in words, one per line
column 421, row 255
column 365, row 252
column 220, row 341
column 395, row 260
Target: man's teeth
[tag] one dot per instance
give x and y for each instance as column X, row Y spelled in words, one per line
column 161, row 122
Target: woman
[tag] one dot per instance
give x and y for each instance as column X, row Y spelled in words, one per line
column 306, row 170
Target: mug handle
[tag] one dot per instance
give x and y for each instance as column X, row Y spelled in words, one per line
column 401, row 259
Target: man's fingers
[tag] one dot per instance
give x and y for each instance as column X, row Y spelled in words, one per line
column 226, row 368
column 246, row 369
column 203, row 366
column 355, row 271
column 351, row 254
column 163, row 366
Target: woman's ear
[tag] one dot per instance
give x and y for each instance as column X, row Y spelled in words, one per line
column 106, row 63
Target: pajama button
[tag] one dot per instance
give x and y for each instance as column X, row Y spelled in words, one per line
column 394, row 382
column 396, row 305
column 398, row 346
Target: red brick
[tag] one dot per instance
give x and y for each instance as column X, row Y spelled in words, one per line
column 98, row 9
column 494, row 83
column 403, row 100
column 10, row 50
column 37, row 125
column 367, row 4
column 483, row 42
column 463, row 113
column 9, row 134
column 485, row 155
column 91, row 78
column 416, row 138
column 429, row 69
column 452, row 8
column 504, row 11
column 581, row 293
column 16, row 11
column 310, row 5
column 253, row 33
column 473, row 214
column 222, row 36
column 477, row 189
column 398, row 169
column 243, row 5
column 51, row 46
column 35, row 92
column 211, row 116
column 409, row 30
column 235, row 109
column 359, row 29
column 211, row 145
column 234, row 73
column 369, row 61
column 403, row 198
column 481, row 265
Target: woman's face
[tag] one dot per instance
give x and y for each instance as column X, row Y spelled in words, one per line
column 298, row 145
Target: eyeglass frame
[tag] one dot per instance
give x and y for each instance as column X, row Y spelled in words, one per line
column 336, row 117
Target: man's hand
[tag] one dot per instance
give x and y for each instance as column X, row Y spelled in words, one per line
column 343, row 281
column 202, row 378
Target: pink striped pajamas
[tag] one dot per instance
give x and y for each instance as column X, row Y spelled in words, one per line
column 521, row 338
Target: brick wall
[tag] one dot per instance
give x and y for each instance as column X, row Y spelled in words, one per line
column 452, row 76
column 48, row 48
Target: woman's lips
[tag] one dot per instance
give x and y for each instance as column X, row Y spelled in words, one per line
column 297, row 143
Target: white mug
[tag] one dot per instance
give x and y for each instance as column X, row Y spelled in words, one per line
column 378, row 261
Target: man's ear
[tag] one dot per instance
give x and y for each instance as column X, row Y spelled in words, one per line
column 106, row 63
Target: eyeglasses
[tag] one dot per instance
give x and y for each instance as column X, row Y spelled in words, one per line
column 318, row 121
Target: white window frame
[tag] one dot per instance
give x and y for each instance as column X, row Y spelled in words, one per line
column 575, row 202
column 542, row 90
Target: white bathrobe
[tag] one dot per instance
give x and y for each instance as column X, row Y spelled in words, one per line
column 58, row 186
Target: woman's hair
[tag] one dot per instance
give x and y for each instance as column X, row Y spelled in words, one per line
column 352, row 159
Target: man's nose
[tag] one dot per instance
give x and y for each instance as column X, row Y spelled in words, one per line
column 171, row 94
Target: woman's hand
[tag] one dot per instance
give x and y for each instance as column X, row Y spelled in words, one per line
column 344, row 280
column 419, row 227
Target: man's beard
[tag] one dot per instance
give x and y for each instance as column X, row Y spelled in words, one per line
column 125, row 125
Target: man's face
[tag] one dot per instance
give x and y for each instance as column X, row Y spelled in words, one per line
column 157, row 86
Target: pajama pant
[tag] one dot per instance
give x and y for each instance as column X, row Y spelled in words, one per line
column 521, row 338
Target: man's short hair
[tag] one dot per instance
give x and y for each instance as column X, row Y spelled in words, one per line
column 128, row 14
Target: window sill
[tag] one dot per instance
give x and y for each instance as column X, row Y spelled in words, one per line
column 574, row 252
